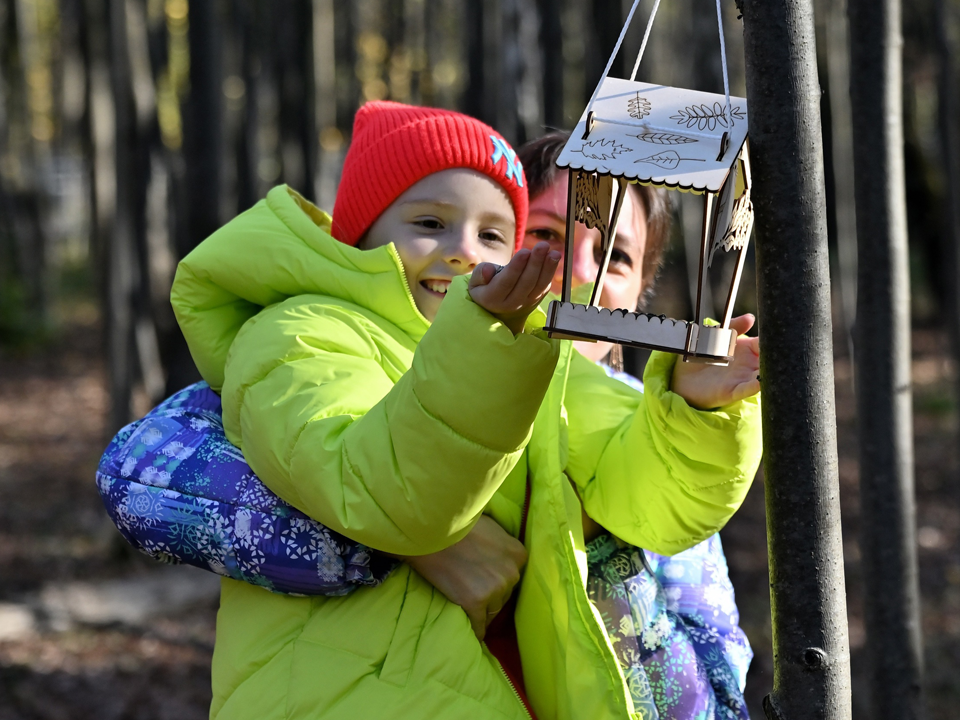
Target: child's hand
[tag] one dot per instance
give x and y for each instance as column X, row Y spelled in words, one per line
column 513, row 292
column 711, row 386
column 478, row 573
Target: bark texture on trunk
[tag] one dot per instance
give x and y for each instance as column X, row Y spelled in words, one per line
column 808, row 600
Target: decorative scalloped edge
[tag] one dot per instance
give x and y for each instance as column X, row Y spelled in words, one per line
column 599, row 169
column 602, row 311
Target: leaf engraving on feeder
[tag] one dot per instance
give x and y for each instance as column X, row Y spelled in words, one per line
column 706, row 117
column 638, row 107
column 603, row 149
column 662, row 138
column 668, row 160
column 738, row 233
column 593, row 193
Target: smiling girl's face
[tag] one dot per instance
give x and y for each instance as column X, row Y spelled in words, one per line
column 548, row 221
column 444, row 226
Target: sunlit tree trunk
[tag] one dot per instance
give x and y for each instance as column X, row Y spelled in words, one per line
column 811, row 650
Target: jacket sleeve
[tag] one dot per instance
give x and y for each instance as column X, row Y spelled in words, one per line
column 400, row 461
column 649, row 468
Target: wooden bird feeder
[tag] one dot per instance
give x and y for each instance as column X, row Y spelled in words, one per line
column 667, row 137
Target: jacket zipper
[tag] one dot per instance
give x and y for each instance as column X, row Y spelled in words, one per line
column 523, row 533
column 516, row 693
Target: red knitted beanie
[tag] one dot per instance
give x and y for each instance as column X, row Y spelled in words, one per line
column 394, row 146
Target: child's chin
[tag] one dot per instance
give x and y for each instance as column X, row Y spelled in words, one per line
column 428, row 302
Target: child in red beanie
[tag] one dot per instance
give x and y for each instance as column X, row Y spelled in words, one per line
column 375, row 387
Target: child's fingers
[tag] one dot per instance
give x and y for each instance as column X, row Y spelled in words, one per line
column 528, row 287
column 482, row 274
column 507, row 278
column 549, row 269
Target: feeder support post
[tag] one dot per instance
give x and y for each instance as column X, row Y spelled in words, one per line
column 882, row 351
column 807, row 595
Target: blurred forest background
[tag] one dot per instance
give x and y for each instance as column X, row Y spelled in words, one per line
column 131, row 129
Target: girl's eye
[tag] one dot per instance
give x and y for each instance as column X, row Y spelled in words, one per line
column 492, row 236
column 428, row 223
column 617, row 258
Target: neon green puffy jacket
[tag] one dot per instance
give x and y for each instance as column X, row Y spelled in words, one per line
column 353, row 408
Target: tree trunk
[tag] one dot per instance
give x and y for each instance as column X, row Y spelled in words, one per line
column 551, row 41
column 203, row 155
column 841, row 134
column 884, row 400
column 811, row 649
column 306, row 103
column 122, row 271
column 474, row 101
column 87, row 17
column 508, row 120
column 248, row 185
column 950, row 151
column 203, row 123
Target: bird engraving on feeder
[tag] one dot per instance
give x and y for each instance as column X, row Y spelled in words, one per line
column 737, row 235
column 593, row 194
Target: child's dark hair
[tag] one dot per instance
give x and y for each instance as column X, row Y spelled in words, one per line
column 539, row 158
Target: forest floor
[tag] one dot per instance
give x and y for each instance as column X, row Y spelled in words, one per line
column 89, row 629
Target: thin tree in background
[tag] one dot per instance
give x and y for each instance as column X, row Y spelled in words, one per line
column 245, row 15
column 882, row 346
column 307, row 114
column 551, row 44
column 291, row 48
column 949, row 132
column 475, row 97
column 811, row 649
column 841, row 135
column 203, row 122
column 203, row 154
column 122, row 268
column 508, row 118
column 28, row 133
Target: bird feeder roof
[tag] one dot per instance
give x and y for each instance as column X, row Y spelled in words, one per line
column 658, row 135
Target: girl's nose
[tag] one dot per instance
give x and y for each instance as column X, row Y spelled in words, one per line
column 584, row 267
column 463, row 249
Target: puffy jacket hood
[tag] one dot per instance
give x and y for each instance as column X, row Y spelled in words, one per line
column 280, row 248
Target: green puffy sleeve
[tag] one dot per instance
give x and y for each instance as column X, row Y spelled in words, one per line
column 649, row 468
column 318, row 395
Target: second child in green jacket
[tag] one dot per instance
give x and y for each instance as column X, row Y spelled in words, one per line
column 374, row 385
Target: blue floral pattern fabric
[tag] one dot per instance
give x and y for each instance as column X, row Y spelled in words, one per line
column 179, row 491
column 674, row 628
column 674, row 624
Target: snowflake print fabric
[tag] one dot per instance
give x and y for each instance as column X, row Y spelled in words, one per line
column 179, row 491
column 673, row 625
